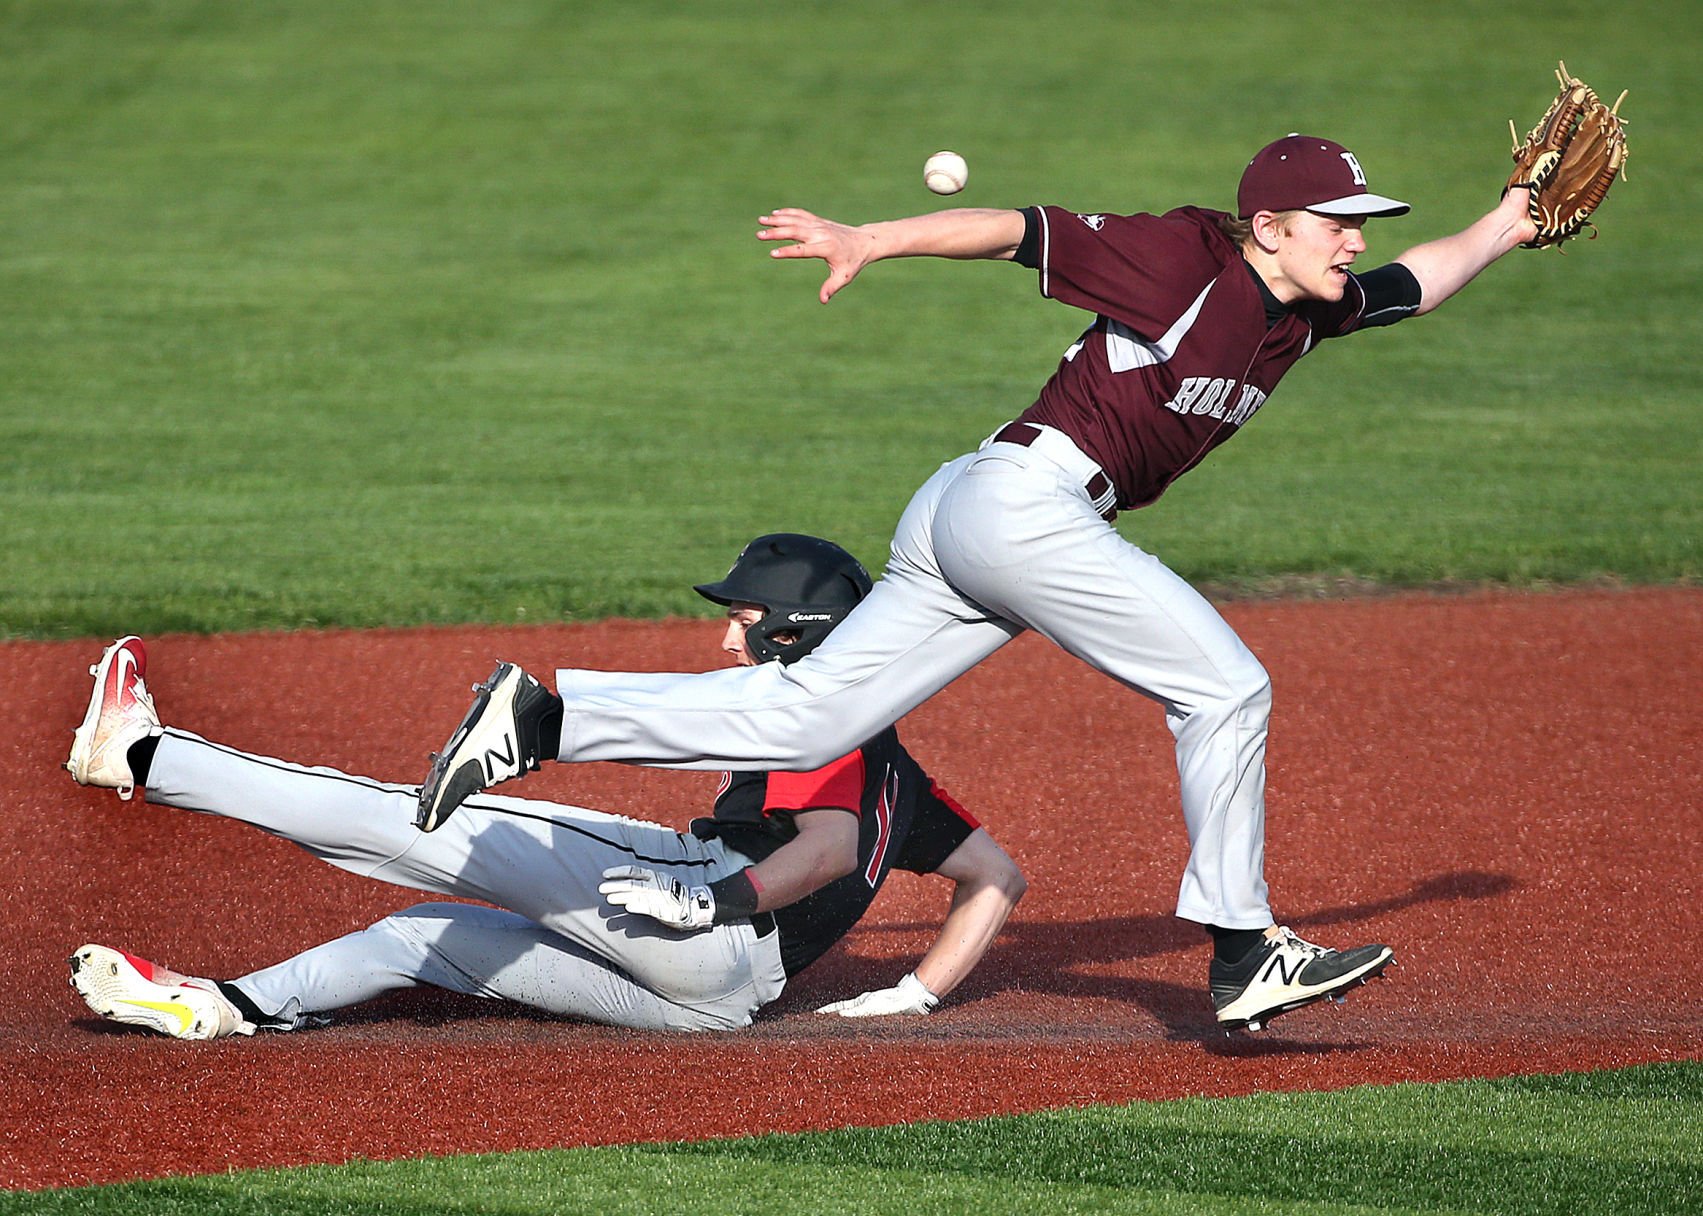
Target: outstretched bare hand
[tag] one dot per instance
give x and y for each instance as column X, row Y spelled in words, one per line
column 846, row 249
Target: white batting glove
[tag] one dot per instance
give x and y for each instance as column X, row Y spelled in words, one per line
column 661, row 897
column 907, row 996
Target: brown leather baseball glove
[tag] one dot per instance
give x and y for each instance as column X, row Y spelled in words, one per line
column 1569, row 160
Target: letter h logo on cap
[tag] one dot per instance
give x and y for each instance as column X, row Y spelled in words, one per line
column 1306, row 173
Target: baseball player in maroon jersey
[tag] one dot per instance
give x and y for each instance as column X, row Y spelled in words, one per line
column 597, row 917
column 1196, row 316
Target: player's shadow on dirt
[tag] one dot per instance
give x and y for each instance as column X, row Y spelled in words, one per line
column 1054, row 958
column 1065, row 958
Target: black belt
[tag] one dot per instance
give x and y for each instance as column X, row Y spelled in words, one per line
column 763, row 923
column 1099, row 486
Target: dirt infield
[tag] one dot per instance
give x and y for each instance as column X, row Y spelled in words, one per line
column 1504, row 787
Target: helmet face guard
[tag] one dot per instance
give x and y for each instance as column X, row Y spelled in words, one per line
column 805, row 585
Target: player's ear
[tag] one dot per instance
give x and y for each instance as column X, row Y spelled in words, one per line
column 1268, row 229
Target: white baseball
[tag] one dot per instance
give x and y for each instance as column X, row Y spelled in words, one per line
column 945, row 173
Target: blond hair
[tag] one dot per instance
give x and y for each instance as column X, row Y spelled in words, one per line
column 1240, row 231
column 1236, row 230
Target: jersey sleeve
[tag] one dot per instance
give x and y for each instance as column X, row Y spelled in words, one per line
column 839, row 784
column 1028, row 251
column 941, row 825
column 1127, row 267
column 1378, row 297
column 1392, row 294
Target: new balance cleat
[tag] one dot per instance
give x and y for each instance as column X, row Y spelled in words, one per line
column 1286, row 973
column 123, row 988
column 121, row 713
column 496, row 741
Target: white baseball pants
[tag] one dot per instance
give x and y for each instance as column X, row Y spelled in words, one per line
column 552, row 942
column 998, row 541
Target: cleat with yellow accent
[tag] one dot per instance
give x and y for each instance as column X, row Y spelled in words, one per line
column 123, row 988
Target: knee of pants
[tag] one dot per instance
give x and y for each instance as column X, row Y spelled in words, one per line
column 1245, row 696
column 434, row 910
column 421, row 926
column 1252, row 696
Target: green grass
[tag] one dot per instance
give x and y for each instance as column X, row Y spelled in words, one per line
column 1623, row 1142
column 320, row 314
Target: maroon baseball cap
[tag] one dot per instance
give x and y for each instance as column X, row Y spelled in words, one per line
column 1306, row 173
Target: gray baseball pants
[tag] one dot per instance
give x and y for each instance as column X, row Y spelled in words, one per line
column 998, row 541
column 551, row 943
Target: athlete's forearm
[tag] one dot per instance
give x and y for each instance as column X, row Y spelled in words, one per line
column 980, row 907
column 824, row 849
column 963, row 233
column 1446, row 265
column 966, row 232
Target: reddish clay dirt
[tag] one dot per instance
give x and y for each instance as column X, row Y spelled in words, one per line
column 1505, row 787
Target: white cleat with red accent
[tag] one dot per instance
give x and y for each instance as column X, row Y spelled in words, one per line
column 123, row 988
column 121, row 713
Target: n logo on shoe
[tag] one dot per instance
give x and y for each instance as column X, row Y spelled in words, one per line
column 1284, row 973
column 492, row 755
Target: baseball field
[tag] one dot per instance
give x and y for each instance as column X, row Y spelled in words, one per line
column 345, row 348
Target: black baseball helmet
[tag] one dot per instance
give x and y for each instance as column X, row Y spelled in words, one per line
column 806, row 584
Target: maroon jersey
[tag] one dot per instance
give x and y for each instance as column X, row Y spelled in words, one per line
column 1183, row 350
column 904, row 820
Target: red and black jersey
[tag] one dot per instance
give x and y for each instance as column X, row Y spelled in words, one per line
column 1183, row 350
column 904, row 820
